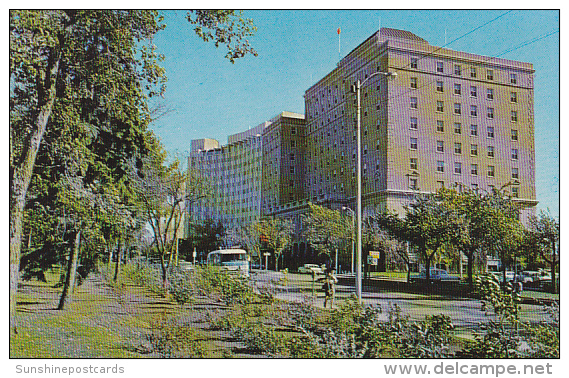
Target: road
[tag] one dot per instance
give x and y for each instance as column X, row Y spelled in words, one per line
column 464, row 312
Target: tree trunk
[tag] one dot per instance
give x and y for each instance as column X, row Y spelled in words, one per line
column 21, row 173
column 276, row 262
column 119, row 257
column 470, row 256
column 71, row 271
column 553, row 263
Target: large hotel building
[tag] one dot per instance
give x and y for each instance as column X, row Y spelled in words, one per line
column 447, row 118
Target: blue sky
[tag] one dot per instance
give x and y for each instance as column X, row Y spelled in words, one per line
column 210, row 97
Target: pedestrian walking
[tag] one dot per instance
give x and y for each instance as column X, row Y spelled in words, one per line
column 329, row 287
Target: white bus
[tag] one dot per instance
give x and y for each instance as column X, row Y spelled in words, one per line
column 234, row 260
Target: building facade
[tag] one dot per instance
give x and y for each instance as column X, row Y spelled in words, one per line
column 250, row 171
column 447, row 118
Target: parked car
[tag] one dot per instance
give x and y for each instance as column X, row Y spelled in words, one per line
column 528, row 277
column 500, row 276
column 309, row 268
column 435, row 275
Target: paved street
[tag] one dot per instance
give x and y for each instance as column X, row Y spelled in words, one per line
column 464, row 312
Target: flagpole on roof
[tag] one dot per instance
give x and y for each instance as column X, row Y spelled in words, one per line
column 339, row 45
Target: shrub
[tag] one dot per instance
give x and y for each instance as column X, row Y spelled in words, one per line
column 172, row 340
column 180, row 287
column 221, row 285
column 259, row 338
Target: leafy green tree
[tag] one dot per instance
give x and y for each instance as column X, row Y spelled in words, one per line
column 278, row 233
column 207, row 236
column 248, row 236
column 544, row 236
column 93, row 70
column 327, row 230
column 429, row 224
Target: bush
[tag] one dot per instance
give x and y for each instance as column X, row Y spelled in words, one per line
column 259, row 338
column 180, row 286
column 172, row 340
column 221, row 285
column 504, row 336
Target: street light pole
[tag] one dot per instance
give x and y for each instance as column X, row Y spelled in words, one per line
column 353, row 215
column 358, row 87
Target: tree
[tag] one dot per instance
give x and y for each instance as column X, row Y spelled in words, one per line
column 96, row 69
column 249, row 237
column 207, row 236
column 428, row 224
column 326, row 229
column 277, row 232
column 375, row 235
column 499, row 230
column 544, row 234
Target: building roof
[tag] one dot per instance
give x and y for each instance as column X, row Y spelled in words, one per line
column 385, row 33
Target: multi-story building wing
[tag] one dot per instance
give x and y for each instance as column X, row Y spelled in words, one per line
column 283, row 161
column 448, row 118
column 263, row 162
column 234, row 172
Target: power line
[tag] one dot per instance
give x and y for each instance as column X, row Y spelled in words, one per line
column 517, row 47
column 456, row 39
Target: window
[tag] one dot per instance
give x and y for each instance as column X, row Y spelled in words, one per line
column 514, row 116
column 414, row 62
column 413, row 183
column 490, row 151
column 457, row 89
column 440, row 166
column 440, row 184
column 291, row 157
column 474, row 169
column 414, row 82
column 457, row 168
column 458, row 148
column 490, row 74
column 413, row 143
column 440, row 67
column 458, row 128
column 293, row 130
column 414, row 102
column 440, row 106
column 293, row 143
column 490, row 131
column 413, row 124
column 514, row 134
column 473, row 91
column 440, row 86
column 472, row 71
column 473, row 111
column 491, row 171
column 292, row 169
column 514, row 154
column 513, row 78
column 440, row 146
column 413, row 163
column 515, row 192
column 474, row 130
column 457, row 108
column 440, row 126
column 513, row 97
column 515, row 173
column 457, row 70
column 490, row 113
column 490, row 93
column 474, row 149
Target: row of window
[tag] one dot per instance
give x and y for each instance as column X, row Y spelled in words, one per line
column 457, row 109
column 457, row 70
column 440, row 168
column 414, row 185
column 413, row 144
column 414, row 125
column 457, row 90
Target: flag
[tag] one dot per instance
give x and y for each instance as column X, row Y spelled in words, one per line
column 339, row 31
